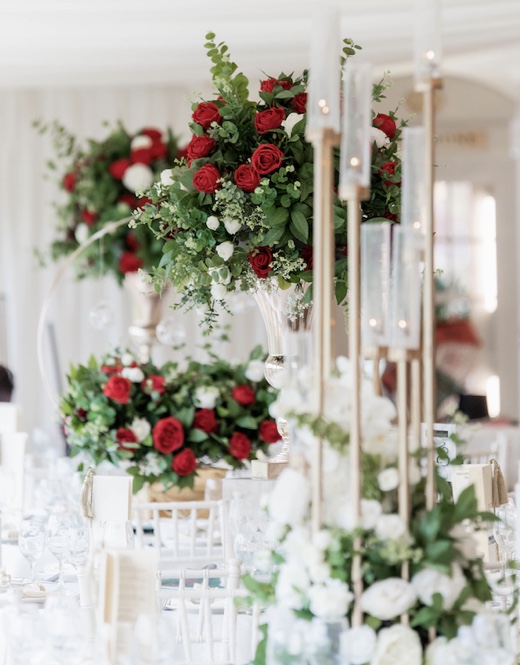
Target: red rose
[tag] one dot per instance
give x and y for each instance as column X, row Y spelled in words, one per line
column 182, row 153
column 268, row 432
column 266, row 158
column 200, row 146
column 123, row 436
column 206, row 113
column 389, row 167
column 390, row 215
column 268, row 85
column 111, row 369
column 205, row 179
column 154, row 383
column 142, row 156
column 131, row 242
column 140, row 203
column 159, row 150
column 129, row 199
column 239, row 446
column 88, row 217
column 265, row 121
column 129, row 262
column 247, row 178
column 151, row 132
column 260, row 261
column 307, row 256
column 184, row 463
column 299, row 102
column 117, row 169
column 118, row 388
column 168, row 435
column 81, row 414
column 244, row 395
column 205, row 420
column 386, row 124
column 69, row 181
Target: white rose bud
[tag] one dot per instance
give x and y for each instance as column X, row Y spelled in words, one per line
column 390, row 527
column 166, row 177
column 379, row 137
column 133, row 374
column 81, row 233
column 291, row 120
column 140, row 141
column 232, row 225
column 255, row 370
column 358, row 644
column 212, row 223
column 206, row 397
column 388, row 479
column 141, row 428
column 225, row 250
column 219, row 291
column 137, row 177
column 388, row 598
column 127, row 359
column 397, row 644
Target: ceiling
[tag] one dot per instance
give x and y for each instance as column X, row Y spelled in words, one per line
column 120, row 42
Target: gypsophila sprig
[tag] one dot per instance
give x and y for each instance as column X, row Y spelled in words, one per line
column 162, row 424
column 247, row 184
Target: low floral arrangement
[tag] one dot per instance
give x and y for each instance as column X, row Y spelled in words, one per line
column 307, row 580
column 238, row 211
column 162, row 424
column 103, row 182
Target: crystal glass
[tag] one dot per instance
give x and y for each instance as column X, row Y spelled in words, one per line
column 58, row 541
column 505, row 531
column 246, row 546
column 79, row 543
column 31, row 540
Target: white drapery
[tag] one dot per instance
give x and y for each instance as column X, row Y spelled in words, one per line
column 27, row 221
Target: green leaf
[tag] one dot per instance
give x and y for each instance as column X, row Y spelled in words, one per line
column 279, row 217
column 273, row 236
column 247, row 422
column 197, row 436
column 299, row 226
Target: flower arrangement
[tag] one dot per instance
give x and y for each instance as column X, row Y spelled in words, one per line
column 104, row 182
column 307, row 579
column 237, row 212
column 162, row 424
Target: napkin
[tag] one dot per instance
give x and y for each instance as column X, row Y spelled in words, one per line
column 34, row 590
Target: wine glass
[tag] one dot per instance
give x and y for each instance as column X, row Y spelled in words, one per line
column 247, row 545
column 505, row 531
column 31, row 541
column 58, row 541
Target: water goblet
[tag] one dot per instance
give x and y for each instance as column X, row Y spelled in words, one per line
column 505, row 531
column 58, row 541
column 79, row 545
column 31, row 541
column 247, row 545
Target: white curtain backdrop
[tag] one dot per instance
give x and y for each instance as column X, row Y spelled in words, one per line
column 27, row 222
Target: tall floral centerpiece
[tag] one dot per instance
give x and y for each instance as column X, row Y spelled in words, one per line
column 237, row 212
column 163, row 423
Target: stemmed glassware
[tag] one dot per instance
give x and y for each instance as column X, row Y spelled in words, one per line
column 31, row 540
column 79, row 543
column 58, row 541
column 505, row 531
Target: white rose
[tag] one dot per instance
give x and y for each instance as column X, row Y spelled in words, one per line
column 141, row 428
column 330, row 601
column 225, row 250
column 127, row 359
column 436, row 652
column 212, row 223
column 465, row 543
column 319, row 572
column 294, row 543
column 390, row 527
column 429, row 581
column 82, row 233
column 255, row 370
column 166, row 177
column 290, row 497
column 379, row 137
column 206, row 397
column 133, row 374
column 290, row 121
column 137, row 177
column 292, row 584
column 388, row 598
column 370, row 513
column 397, row 644
column 388, row 479
column 140, row 141
column 322, row 539
column 357, row 645
column 232, row 225
column 219, row 291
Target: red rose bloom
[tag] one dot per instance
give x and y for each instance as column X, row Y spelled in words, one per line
column 81, row 414
column 307, row 256
column 154, row 383
column 247, row 178
column 205, row 179
column 206, row 113
column 129, row 262
column 205, row 420
column 69, row 181
column 123, row 436
column 168, row 435
column 142, row 156
column 268, row 432
column 88, row 217
column 182, row 153
column 200, row 146
column 151, row 132
column 386, row 124
column 299, row 102
column 111, row 369
column 390, row 215
column 239, row 446
column 118, row 388
column 389, row 167
column 117, row 169
column 184, row 463
column 131, row 242
column 266, row 158
column 268, row 85
column 244, row 395
column 129, row 199
column 265, row 121
column 159, row 150
column 260, row 261
column 140, row 203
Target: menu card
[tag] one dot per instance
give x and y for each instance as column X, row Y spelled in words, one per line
column 112, row 498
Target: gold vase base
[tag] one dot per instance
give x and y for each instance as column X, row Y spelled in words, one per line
column 267, row 469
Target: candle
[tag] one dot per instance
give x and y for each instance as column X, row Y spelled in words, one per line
column 413, row 189
column 357, row 119
column 323, row 102
column 427, row 41
column 405, row 297
column 375, row 283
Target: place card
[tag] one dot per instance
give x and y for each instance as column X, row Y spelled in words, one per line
column 10, row 417
column 112, row 498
